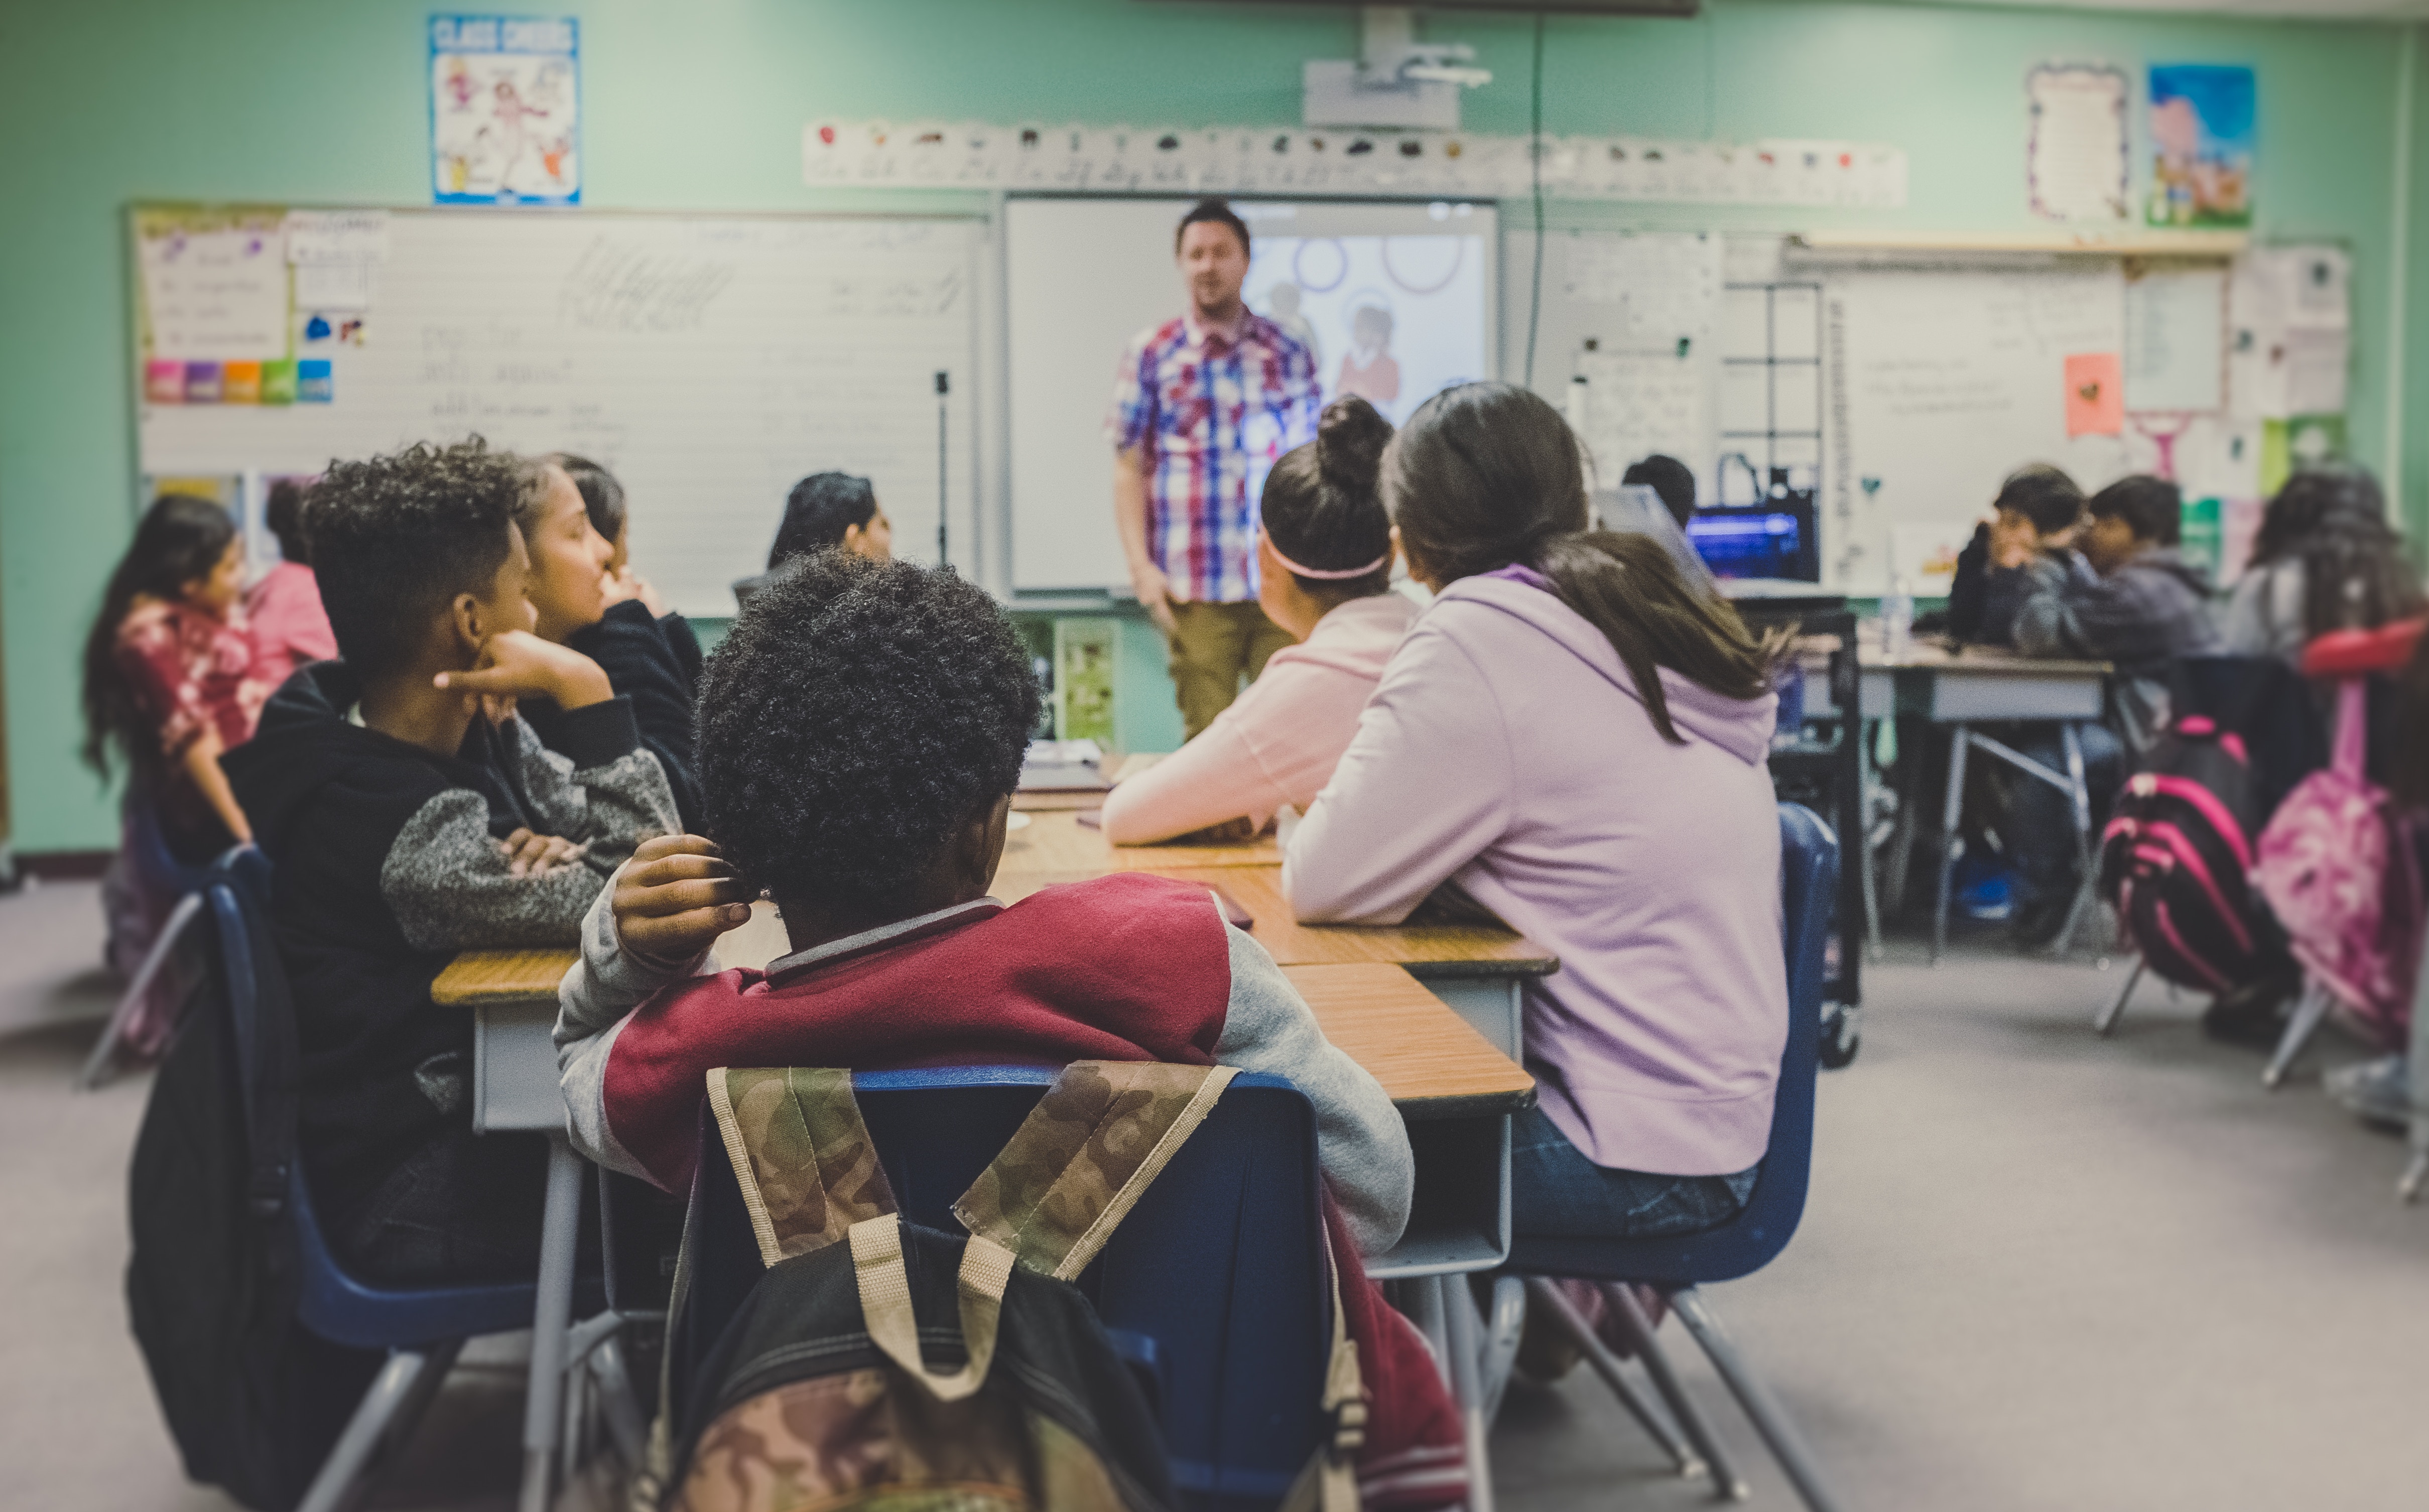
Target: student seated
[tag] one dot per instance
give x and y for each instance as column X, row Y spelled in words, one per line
column 168, row 686
column 2379, row 1092
column 2036, row 516
column 2126, row 597
column 402, row 827
column 282, row 612
column 1324, row 561
column 1578, row 739
column 1671, row 481
column 2326, row 528
column 825, row 509
column 862, row 729
column 579, row 604
column 602, row 497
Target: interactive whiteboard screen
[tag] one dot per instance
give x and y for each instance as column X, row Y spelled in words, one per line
column 1395, row 300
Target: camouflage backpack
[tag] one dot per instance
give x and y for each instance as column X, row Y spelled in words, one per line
column 843, row 1378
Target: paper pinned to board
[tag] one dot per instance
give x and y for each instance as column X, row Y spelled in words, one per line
column 217, row 295
column 2076, row 164
column 2176, row 340
column 333, row 286
column 319, row 236
column 1638, row 404
column 1666, row 285
column 2095, row 395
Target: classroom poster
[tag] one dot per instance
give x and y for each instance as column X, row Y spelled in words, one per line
column 2202, row 140
column 504, row 110
column 2095, row 395
column 2076, row 162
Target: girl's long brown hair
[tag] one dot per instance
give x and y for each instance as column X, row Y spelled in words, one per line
column 1488, row 474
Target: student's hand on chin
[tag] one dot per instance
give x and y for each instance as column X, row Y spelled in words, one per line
column 519, row 664
column 676, row 896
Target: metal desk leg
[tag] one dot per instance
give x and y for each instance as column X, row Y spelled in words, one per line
column 1867, row 784
column 1465, row 1338
column 2086, row 877
column 559, row 1233
column 1952, row 808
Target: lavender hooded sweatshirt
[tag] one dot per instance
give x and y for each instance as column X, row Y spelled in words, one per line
column 1506, row 750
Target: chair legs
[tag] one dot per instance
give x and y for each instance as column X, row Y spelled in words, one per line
column 1726, row 1482
column 1542, row 1293
column 2104, row 1023
column 2309, row 1014
column 1768, row 1418
column 96, row 1065
column 1505, row 1322
column 399, row 1395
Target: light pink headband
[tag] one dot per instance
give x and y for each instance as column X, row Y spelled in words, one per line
column 1322, row 574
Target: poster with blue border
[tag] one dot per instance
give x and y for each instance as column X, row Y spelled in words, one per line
column 2204, row 132
column 505, row 111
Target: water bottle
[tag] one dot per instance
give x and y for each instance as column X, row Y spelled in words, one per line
column 1897, row 620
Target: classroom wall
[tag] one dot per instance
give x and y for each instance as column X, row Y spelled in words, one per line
column 700, row 106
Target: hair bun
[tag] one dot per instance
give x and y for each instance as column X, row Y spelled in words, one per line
column 1349, row 441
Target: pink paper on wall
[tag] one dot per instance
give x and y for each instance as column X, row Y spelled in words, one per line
column 2095, row 395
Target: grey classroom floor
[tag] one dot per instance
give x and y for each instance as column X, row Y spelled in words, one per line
column 2039, row 1271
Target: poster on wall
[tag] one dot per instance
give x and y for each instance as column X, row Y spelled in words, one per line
column 2075, row 161
column 2202, row 139
column 505, row 111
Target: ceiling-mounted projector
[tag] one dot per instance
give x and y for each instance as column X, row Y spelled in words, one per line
column 1400, row 81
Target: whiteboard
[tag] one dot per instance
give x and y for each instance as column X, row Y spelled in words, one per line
column 708, row 361
column 1085, row 277
column 1941, row 382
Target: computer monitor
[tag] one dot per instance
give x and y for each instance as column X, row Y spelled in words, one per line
column 1774, row 539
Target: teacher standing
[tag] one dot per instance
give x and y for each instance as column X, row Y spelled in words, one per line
column 1203, row 407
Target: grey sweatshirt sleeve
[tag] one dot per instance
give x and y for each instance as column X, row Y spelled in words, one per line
column 597, row 996
column 1362, row 1144
column 2046, row 623
column 447, row 880
column 606, row 790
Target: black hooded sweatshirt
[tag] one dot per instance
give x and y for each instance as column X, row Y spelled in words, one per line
column 657, row 664
column 386, row 863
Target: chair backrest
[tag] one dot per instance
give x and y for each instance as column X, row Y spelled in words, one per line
column 1809, row 885
column 147, row 846
column 330, row 1303
column 1219, row 1269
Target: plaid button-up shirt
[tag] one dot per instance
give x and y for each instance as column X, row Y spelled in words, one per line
column 1213, row 416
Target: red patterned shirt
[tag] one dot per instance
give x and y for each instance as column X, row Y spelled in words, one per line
column 191, row 671
column 1213, row 414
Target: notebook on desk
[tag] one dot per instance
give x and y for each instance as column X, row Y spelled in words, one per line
column 1063, row 766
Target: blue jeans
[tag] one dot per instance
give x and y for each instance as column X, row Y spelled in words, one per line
column 2042, row 844
column 1556, row 1193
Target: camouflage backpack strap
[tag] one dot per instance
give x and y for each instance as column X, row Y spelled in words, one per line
column 801, row 1153
column 1078, row 1164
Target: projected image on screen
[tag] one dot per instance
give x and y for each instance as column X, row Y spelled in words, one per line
column 1393, row 318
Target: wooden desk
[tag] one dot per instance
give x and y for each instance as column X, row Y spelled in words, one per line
column 1058, row 842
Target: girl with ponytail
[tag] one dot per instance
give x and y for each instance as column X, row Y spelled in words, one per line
column 1324, row 557
column 1576, row 736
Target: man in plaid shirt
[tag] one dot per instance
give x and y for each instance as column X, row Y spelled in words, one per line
column 1203, row 405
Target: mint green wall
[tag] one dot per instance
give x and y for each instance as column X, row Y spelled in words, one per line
column 700, row 105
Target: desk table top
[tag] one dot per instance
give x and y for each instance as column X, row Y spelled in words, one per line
column 1058, row 842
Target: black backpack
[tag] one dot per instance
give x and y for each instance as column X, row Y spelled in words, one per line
column 254, row 1401
column 2176, row 858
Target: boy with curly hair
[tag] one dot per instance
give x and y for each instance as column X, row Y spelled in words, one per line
column 861, row 734
column 409, row 815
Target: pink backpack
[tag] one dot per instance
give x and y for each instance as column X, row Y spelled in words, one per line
column 2337, row 868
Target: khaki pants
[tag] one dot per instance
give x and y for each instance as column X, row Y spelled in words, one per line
column 1213, row 645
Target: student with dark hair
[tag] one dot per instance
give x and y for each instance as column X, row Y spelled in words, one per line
column 603, row 499
column 168, row 672
column 2037, row 514
column 1577, row 737
column 582, row 605
column 405, row 826
column 825, row 510
column 282, row 612
column 2126, row 595
column 2325, row 558
column 168, row 686
column 1325, row 575
column 1201, row 405
column 1670, row 479
column 862, row 729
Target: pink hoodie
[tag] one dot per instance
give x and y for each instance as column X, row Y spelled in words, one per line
column 1506, row 750
column 1277, row 743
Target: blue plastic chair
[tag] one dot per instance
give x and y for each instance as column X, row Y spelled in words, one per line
column 148, row 853
column 421, row 1328
column 1676, row 1267
column 1212, row 1287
